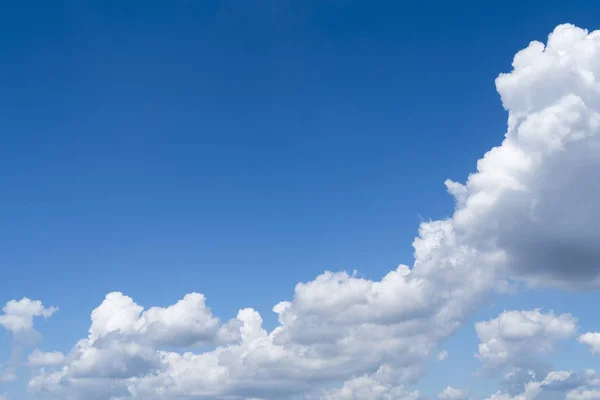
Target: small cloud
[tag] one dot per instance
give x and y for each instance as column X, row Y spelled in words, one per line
column 39, row 358
column 18, row 315
column 592, row 340
column 451, row 393
column 442, row 355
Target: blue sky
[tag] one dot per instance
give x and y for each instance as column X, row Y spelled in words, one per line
column 237, row 148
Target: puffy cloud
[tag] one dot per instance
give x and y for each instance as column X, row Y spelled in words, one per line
column 534, row 197
column 18, row 315
column 311, row 346
column 520, row 215
column 4, row 396
column 516, row 338
column 38, row 358
column 187, row 323
column 592, row 340
column 122, row 336
column 558, row 385
column 375, row 387
column 337, row 326
column 451, row 393
column 442, row 355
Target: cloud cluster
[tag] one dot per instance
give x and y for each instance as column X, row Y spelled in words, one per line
column 529, row 212
column 517, row 338
column 337, row 326
column 558, row 385
column 378, row 386
column 17, row 317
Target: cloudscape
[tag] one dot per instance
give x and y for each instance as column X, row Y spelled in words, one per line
column 526, row 221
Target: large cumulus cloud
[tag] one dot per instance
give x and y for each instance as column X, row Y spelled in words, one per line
column 337, row 328
column 534, row 198
column 529, row 212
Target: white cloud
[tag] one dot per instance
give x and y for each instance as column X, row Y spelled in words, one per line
column 313, row 345
column 18, row 315
column 558, row 385
column 336, row 327
column 187, row 323
column 451, row 393
column 516, row 338
column 442, row 355
column 520, row 215
column 38, row 358
column 592, row 340
column 375, row 387
column 534, row 197
column 583, row 394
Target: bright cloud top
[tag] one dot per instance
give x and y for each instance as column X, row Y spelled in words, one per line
column 18, row 315
column 592, row 340
column 521, row 215
column 524, row 200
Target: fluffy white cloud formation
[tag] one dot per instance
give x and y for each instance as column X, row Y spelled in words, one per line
column 375, row 387
column 189, row 322
column 18, row 315
column 592, row 340
column 528, row 212
column 558, row 385
column 534, row 198
column 516, row 338
column 336, row 327
column 451, row 393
